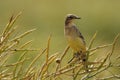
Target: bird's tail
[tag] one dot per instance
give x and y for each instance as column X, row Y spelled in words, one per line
column 83, row 58
column 85, row 62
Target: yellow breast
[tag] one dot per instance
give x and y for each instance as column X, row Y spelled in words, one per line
column 76, row 44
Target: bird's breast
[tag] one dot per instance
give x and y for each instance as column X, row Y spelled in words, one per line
column 76, row 43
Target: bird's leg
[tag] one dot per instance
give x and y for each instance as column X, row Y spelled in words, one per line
column 78, row 55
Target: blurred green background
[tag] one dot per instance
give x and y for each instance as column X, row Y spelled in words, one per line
column 48, row 16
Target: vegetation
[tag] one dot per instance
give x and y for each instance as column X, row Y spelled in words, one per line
column 55, row 66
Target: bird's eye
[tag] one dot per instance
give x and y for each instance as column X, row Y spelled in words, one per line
column 70, row 17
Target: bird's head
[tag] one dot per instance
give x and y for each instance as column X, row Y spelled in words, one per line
column 72, row 17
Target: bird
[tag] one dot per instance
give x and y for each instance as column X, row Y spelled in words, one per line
column 74, row 38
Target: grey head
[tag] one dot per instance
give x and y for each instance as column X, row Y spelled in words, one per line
column 70, row 18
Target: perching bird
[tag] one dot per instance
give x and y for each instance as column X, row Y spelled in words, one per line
column 74, row 37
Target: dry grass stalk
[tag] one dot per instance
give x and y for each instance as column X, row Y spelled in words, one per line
column 61, row 58
column 34, row 60
column 9, row 46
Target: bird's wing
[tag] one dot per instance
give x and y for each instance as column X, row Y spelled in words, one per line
column 80, row 34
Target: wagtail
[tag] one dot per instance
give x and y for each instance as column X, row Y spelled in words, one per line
column 74, row 37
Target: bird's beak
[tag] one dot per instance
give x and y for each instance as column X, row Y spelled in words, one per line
column 78, row 17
